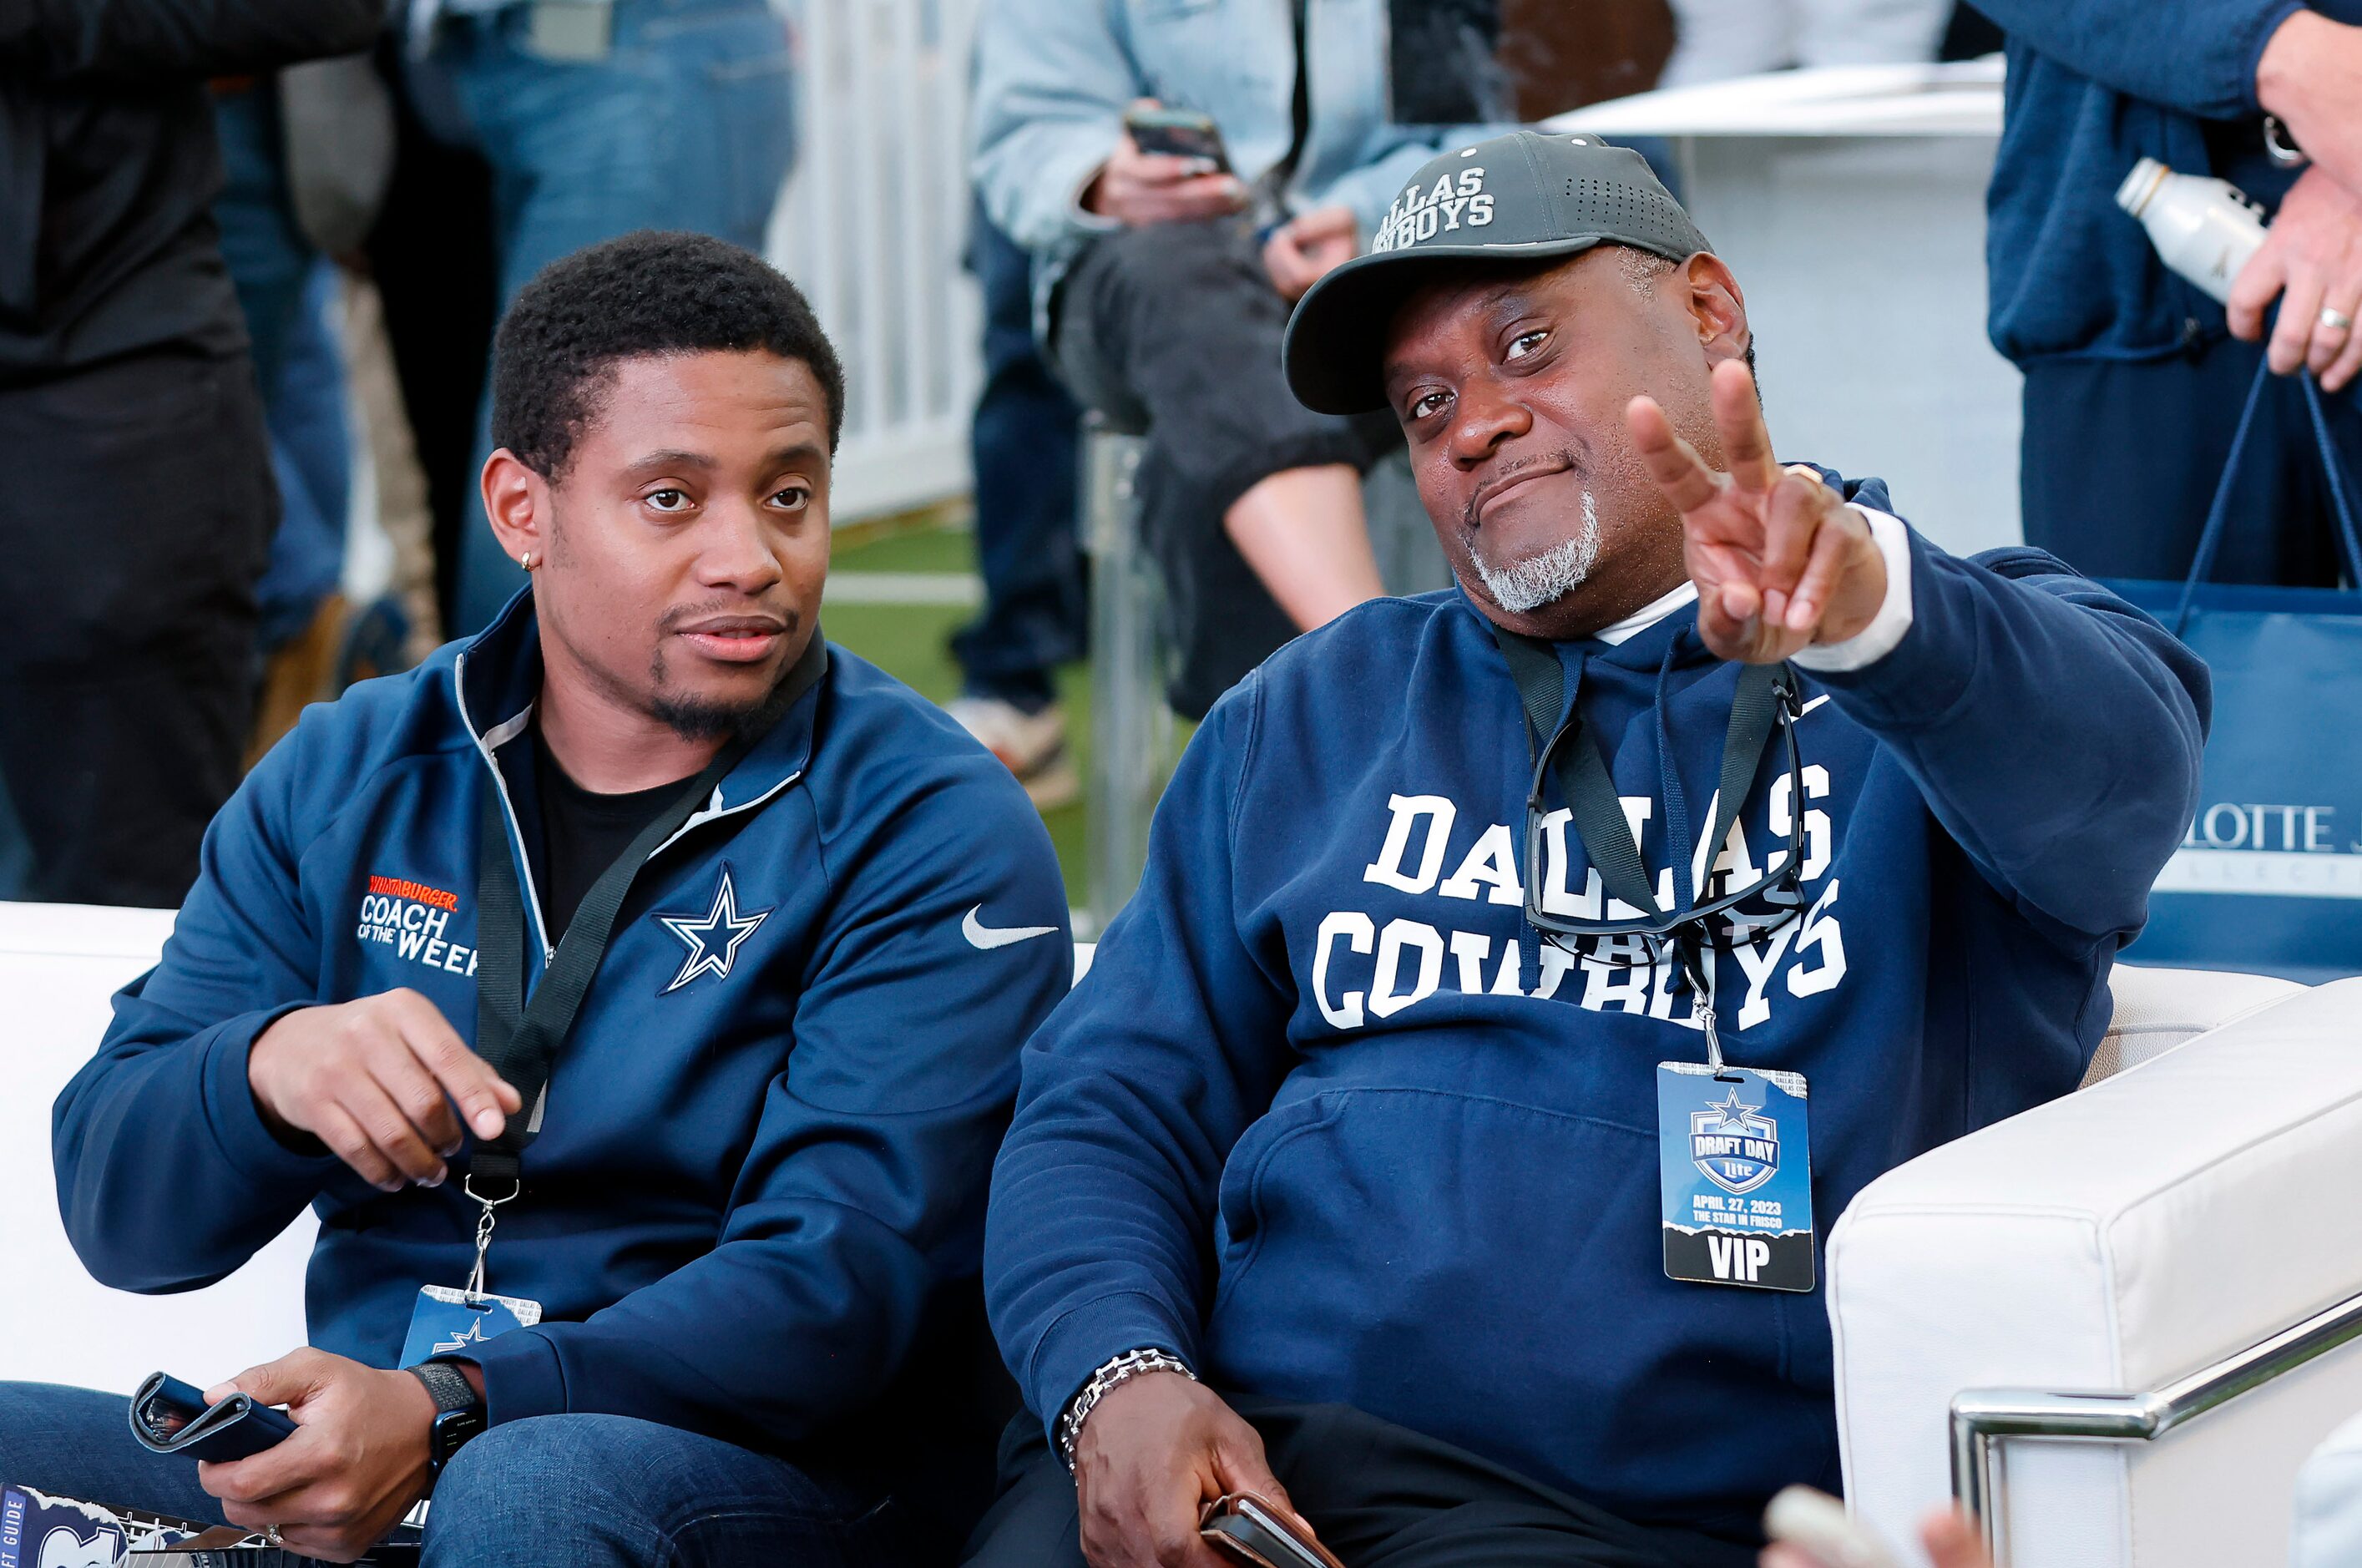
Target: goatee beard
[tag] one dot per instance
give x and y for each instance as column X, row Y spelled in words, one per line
column 1547, row 576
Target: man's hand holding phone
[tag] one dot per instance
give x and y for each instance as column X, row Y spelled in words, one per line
column 383, row 1081
column 1137, row 188
column 1152, row 1454
column 357, row 1462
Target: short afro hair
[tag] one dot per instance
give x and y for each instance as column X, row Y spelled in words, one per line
column 647, row 293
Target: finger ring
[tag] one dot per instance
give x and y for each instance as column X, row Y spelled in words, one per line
column 271, row 1534
column 2335, row 320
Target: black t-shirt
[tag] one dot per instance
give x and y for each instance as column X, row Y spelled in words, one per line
column 582, row 832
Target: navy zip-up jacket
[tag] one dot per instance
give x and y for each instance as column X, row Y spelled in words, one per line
column 1325, row 1120
column 2094, row 86
column 766, row 1140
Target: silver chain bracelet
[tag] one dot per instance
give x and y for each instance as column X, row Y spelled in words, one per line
column 1110, row 1376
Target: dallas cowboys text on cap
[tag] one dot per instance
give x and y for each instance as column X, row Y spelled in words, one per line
column 1527, row 195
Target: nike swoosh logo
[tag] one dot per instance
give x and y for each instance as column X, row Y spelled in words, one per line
column 988, row 937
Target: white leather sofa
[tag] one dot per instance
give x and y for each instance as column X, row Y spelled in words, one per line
column 2121, row 1241
column 60, row 965
column 2170, row 1213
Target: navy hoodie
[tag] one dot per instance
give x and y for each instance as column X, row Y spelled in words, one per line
column 2094, row 86
column 762, row 1159
column 1325, row 1120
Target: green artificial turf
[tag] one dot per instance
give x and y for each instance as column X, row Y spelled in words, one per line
column 910, row 642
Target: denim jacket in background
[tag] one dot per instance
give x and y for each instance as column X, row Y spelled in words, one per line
column 1053, row 78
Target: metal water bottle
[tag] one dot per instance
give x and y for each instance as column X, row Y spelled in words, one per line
column 2203, row 228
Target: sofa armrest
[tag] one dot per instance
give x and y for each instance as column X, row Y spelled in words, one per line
column 2117, row 1240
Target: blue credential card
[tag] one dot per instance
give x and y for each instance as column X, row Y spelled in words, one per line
column 447, row 1321
column 1735, row 1160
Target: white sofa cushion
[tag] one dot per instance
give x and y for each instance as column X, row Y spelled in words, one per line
column 2160, row 1009
column 2116, row 1240
column 59, row 966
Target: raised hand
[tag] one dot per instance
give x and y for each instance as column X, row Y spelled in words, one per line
column 1779, row 562
column 383, row 1081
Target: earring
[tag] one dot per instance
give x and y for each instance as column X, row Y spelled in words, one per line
column 526, row 560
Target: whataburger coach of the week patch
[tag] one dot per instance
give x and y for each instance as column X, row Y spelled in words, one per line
column 1736, row 1163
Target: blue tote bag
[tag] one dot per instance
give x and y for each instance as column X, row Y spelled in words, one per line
column 2269, row 878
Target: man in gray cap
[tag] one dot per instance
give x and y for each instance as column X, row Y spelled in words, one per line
column 1426, row 1152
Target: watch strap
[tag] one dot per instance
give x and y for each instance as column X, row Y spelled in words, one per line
column 447, row 1385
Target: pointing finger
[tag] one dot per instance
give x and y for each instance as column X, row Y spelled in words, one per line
column 1738, row 418
column 1672, row 462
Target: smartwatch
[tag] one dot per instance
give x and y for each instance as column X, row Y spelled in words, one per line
column 458, row 1411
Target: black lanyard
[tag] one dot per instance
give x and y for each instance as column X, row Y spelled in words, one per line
column 520, row 1040
column 1765, row 696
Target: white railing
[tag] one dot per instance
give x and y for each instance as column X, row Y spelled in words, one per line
column 872, row 227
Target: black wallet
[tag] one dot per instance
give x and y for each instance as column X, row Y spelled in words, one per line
column 170, row 1417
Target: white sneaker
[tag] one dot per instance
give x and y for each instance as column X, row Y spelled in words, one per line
column 1030, row 746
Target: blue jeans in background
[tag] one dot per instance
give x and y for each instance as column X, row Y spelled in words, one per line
column 688, row 122
column 288, row 291
column 1024, row 444
column 548, row 1492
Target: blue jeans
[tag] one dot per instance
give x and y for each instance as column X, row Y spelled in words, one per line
column 688, row 123
column 550, row 1492
column 286, row 290
column 1025, row 447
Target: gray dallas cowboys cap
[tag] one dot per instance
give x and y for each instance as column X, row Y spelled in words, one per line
column 1524, row 196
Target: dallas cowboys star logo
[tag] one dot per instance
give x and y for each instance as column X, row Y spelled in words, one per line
column 1734, row 1115
column 713, row 942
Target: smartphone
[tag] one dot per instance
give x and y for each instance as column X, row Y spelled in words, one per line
column 1245, row 1528
column 1177, row 133
column 169, row 1415
column 1819, row 1523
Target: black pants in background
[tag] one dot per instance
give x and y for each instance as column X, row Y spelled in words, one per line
column 1380, row 1495
column 2121, row 458
column 1175, row 326
column 137, row 516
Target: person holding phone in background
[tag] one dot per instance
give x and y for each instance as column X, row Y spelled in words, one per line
column 1181, row 183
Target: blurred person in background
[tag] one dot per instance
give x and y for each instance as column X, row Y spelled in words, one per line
column 141, row 506
column 1716, row 39
column 599, row 117
column 306, row 152
column 1024, row 449
column 436, row 270
column 2135, row 378
column 1163, row 285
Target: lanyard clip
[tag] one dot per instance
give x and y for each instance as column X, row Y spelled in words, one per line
column 484, row 1222
column 1689, row 953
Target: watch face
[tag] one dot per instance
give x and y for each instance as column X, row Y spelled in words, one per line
column 452, row 1429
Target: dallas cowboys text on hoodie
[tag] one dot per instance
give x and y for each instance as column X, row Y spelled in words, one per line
column 1327, row 1120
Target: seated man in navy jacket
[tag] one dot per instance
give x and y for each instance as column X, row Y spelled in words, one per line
column 1440, row 1099
column 768, row 927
